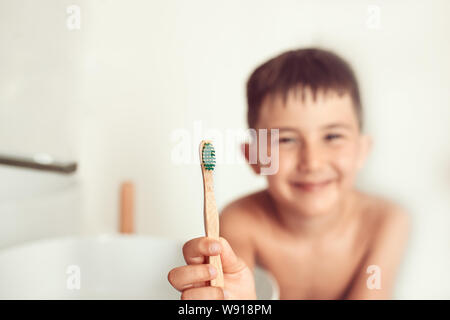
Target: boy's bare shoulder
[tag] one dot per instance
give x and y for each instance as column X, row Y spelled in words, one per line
column 382, row 213
column 240, row 225
column 245, row 209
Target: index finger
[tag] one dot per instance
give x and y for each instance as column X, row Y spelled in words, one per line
column 195, row 250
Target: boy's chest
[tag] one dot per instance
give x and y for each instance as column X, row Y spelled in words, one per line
column 308, row 271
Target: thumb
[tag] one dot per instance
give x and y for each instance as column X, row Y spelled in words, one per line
column 230, row 262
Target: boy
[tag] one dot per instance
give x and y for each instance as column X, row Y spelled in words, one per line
column 310, row 228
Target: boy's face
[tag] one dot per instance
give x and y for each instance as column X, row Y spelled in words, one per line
column 320, row 149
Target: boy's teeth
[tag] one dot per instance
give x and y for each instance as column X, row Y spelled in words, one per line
column 310, row 186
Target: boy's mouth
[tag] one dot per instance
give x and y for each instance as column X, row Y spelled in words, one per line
column 311, row 186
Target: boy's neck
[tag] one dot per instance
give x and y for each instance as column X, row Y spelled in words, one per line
column 307, row 225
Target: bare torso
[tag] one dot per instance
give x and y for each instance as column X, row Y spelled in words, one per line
column 308, row 267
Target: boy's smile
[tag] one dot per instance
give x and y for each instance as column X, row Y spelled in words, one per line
column 320, row 149
column 311, row 186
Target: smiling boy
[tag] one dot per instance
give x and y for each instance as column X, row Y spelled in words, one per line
column 310, row 228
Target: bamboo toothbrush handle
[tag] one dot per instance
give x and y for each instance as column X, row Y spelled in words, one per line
column 211, row 217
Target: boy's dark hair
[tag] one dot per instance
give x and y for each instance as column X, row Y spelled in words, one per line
column 315, row 68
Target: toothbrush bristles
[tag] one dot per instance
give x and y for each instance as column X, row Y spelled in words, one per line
column 208, row 156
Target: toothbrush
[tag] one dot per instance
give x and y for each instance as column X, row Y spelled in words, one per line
column 211, row 216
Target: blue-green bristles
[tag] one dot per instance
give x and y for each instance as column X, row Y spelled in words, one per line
column 209, row 156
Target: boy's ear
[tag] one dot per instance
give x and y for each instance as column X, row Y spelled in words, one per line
column 365, row 146
column 245, row 148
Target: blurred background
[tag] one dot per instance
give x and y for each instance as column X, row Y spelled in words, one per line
column 109, row 84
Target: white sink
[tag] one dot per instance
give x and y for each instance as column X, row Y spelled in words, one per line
column 104, row 267
column 35, row 205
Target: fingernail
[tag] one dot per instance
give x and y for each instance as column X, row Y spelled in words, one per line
column 212, row 271
column 226, row 294
column 214, row 247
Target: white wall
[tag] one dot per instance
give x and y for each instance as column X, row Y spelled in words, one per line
column 111, row 94
column 39, row 113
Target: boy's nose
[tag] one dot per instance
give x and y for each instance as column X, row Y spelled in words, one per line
column 310, row 158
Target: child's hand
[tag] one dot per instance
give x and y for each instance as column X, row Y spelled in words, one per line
column 192, row 280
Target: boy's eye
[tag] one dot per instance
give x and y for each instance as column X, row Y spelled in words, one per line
column 332, row 136
column 286, row 140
